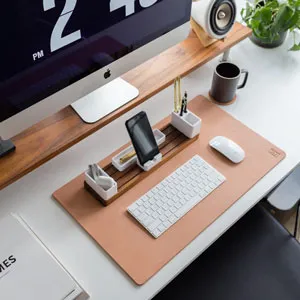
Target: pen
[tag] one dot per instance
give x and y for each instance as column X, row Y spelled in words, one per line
column 127, row 156
column 182, row 107
column 185, row 102
column 177, row 94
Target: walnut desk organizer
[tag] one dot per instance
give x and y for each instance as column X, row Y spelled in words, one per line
column 128, row 244
column 52, row 136
column 175, row 142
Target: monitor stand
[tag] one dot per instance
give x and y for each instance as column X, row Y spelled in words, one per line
column 6, row 147
column 105, row 100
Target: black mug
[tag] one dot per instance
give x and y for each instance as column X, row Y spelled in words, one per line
column 226, row 82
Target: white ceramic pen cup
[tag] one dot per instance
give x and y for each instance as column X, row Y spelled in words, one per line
column 189, row 124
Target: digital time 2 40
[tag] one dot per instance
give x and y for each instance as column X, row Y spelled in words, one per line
column 59, row 41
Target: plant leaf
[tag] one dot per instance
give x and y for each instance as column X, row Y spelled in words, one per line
column 246, row 14
column 296, row 47
column 291, row 22
column 282, row 18
column 266, row 15
column 249, row 10
column 294, row 3
column 272, row 4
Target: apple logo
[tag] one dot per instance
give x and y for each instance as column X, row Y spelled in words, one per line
column 107, row 74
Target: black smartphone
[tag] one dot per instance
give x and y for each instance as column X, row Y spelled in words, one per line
column 142, row 137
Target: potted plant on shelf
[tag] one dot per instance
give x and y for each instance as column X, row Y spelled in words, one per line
column 270, row 21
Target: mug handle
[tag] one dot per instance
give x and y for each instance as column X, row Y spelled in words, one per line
column 245, row 79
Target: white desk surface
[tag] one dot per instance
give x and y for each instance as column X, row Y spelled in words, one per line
column 269, row 104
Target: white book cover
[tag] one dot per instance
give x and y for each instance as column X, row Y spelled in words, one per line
column 28, row 270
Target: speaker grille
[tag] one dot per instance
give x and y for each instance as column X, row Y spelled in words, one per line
column 222, row 16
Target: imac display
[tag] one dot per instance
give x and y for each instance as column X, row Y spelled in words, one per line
column 51, row 45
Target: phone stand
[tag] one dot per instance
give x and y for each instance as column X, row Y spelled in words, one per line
column 159, row 137
column 6, row 147
column 151, row 163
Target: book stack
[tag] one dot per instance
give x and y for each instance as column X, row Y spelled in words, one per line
column 28, row 270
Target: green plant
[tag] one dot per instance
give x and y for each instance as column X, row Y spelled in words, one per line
column 270, row 18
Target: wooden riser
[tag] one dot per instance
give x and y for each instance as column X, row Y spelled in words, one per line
column 52, row 136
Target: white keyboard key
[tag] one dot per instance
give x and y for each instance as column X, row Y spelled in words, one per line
column 154, row 224
column 142, row 217
column 150, row 194
column 160, row 211
column 144, row 198
column 221, row 179
column 151, row 200
column 149, row 212
column 182, row 201
column 202, row 194
column 139, row 202
column 160, row 187
column 161, row 228
column 167, row 224
column 133, row 207
column 156, row 233
column 168, row 214
column 165, row 206
column 173, row 219
column 169, row 195
column 136, row 213
column 212, row 185
column 148, row 221
column 176, row 195
column 184, row 209
column 171, row 203
column 178, row 205
column 165, row 198
column 142, row 209
column 155, row 215
column 173, row 209
column 162, row 218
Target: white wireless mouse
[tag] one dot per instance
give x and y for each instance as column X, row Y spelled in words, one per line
column 228, row 148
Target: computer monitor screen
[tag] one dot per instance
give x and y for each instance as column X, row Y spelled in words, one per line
column 49, row 44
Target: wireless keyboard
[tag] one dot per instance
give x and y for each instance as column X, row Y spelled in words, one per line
column 176, row 195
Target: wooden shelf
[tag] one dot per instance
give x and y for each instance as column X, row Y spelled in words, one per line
column 52, row 136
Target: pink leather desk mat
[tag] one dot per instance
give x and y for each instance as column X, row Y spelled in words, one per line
column 133, row 249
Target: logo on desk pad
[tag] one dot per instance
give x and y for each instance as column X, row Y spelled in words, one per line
column 274, row 152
